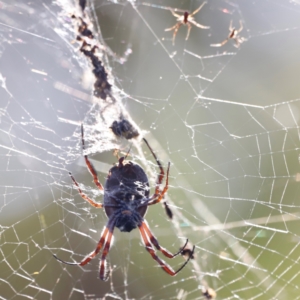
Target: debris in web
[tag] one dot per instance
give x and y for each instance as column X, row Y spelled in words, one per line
column 83, row 29
column 102, row 88
column 123, row 128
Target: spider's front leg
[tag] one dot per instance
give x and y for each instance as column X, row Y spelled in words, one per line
column 220, row 44
column 85, row 197
column 158, row 197
column 241, row 27
column 198, row 9
column 159, row 180
column 89, row 164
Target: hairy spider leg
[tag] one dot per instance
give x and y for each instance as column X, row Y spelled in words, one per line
column 198, row 25
column 108, row 229
column 241, row 27
column 85, row 197
column 195, row 11
column 103, row 270
column 188, row 31
column 220, row 44
column 175, row 28
column 151, row 250
column 159, row 180
column 91, row 255
column 161, row 195
column 162, row 172
column 98, row 248
column 90, row 165
column 168, row 210
column 174, row 14
column 231, row 28
column 155, row 242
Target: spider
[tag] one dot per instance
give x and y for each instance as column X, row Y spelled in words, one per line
column 126, row 199
column 186, row 19
column 234, row 35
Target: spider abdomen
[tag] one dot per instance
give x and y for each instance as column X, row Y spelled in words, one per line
column 125, row 188
column 128, row 220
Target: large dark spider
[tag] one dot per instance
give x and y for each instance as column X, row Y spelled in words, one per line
column 126, row 199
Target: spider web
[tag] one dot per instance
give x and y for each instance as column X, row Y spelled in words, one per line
column 226, row 118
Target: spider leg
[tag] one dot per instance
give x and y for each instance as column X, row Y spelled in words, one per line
column 85, row 197
column 175, row 33
column 168, row 210
column 220, row 44
column 236, row 43
column 162, row 173
column 241, row 27
column 171, row 28
column 109, row 228
column 159, row 181
column 195, row 11
column 174, row 14
column 230, row 26
column 161, row 194
column 150, row 249
column 175, row 28
column 154, row 242
column 91, row 255
column 189, row 30
column 103, row 270
column 198, row 25
column 90, row 165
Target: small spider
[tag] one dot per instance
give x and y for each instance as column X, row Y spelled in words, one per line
column 234, row 35
column 126, row 199
column 186, row 19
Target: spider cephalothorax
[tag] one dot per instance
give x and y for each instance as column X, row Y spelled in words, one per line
column 126, row 199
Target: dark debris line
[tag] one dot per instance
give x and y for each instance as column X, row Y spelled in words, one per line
column 102, row 88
